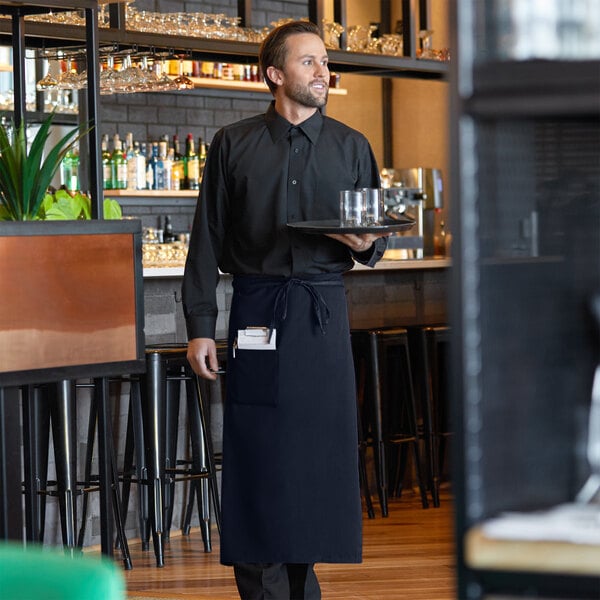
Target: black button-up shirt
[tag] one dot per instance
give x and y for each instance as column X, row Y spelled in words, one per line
column 260, row 174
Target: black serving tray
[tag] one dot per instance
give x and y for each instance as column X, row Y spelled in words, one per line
column 333, row 226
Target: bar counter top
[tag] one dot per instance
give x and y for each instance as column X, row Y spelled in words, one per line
column 385, row 264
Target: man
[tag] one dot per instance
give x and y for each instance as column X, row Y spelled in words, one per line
column 290, row 495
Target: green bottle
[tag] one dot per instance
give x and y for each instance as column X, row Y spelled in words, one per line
column 106, row 166
column 192, row 164
column 118, row 164
column 70, row 169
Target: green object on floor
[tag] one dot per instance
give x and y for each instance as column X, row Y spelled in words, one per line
column 35, row 573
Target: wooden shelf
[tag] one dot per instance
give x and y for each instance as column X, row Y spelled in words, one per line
column 244, row 86
column 152, row 193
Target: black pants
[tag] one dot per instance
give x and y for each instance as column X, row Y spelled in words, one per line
column 276, row 581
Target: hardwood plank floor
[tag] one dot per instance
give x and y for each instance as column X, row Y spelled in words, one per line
column 409, row 555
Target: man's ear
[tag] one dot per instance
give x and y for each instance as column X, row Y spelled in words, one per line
column 275, row 75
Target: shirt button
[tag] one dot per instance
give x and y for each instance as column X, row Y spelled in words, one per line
column 294, row 182
column 296, row 150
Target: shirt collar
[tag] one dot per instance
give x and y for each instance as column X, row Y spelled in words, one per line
column 279, row 127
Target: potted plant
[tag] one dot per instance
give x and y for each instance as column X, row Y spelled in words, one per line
column 25, row 177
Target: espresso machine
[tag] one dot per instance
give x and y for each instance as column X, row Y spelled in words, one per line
column 417, row 193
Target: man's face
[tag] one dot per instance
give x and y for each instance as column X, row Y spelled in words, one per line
column 306, row 75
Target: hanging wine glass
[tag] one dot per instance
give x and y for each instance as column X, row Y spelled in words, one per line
column 69, row 78
column 181, row 81
column 108, row 76
column 427, row 51
column 165, row 83
column 131, row 76
column 150, row 78
column 47, row 82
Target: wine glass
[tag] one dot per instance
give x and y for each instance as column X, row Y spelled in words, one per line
column 181, row 81
column 164, row 82
column 427, row 51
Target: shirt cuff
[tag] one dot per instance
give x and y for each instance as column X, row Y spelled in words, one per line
column 370, row 257
column 203, row 326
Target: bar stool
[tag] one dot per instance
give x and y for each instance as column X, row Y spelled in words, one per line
column 154, row 409
column 55, row 404
column 360, row 373
column 389, row 403
column 431, row 347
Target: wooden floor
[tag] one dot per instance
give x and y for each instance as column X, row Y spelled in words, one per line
column 408, row 555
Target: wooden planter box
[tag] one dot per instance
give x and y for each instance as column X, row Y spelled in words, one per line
column 71, row 300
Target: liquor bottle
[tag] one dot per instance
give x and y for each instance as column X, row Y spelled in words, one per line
column 201, row 157
column 161, row 167
column 118, row 165
column 70, row 169
column 152, row 167
column 106, row 168
column 136, row 168
column 192, row 164
column 177, row 174
column 168, row 233
column 131, row 162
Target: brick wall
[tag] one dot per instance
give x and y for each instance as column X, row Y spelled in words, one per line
column 199, row 112
column 202, row 113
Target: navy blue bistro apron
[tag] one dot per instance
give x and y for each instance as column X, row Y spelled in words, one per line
column 290, row 473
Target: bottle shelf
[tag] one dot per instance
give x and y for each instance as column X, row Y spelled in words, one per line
column 152, row 193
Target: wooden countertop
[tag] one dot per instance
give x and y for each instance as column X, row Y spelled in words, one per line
column 482, row 552
column 382, row 265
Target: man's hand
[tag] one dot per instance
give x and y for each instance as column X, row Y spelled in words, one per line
column 202, row 356
column 357, row 242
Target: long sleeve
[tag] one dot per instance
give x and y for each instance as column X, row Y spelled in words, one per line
column 201, row 274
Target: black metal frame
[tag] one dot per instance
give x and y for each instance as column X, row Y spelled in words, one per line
column 482, row 92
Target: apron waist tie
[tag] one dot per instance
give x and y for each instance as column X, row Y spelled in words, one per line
column 320, row 307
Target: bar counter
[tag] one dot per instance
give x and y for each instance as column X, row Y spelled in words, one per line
column 394, row 292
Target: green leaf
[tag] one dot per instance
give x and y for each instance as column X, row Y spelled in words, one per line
column 63, row 209
column 25, row 178
column 112, row 209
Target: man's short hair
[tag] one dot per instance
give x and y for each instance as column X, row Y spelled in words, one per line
column 273, row 50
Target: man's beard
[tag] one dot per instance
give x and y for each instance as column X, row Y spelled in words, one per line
column 303, row 95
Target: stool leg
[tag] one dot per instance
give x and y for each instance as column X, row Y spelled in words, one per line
column 198, row 437
column 187, row 520
column 412, row 419
column 36, row 435
column 141, row 468
column 101, row 396
column 154, row 438
column 91, row 434
column 64, row 436
column 362, row 442
column 127, row 462
column 170, row 458
column 426, row 397
column 378, row 441
column 209, row 452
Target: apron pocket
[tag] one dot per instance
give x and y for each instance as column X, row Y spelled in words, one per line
column 254, row 378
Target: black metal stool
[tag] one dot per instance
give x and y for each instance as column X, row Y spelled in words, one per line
column 154, row 413
column 431, row 346
column 56, row 404
column 388, row 402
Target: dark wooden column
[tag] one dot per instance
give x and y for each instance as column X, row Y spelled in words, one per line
column 245, row 12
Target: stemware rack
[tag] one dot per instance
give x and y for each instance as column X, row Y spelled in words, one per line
column 408, row 65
